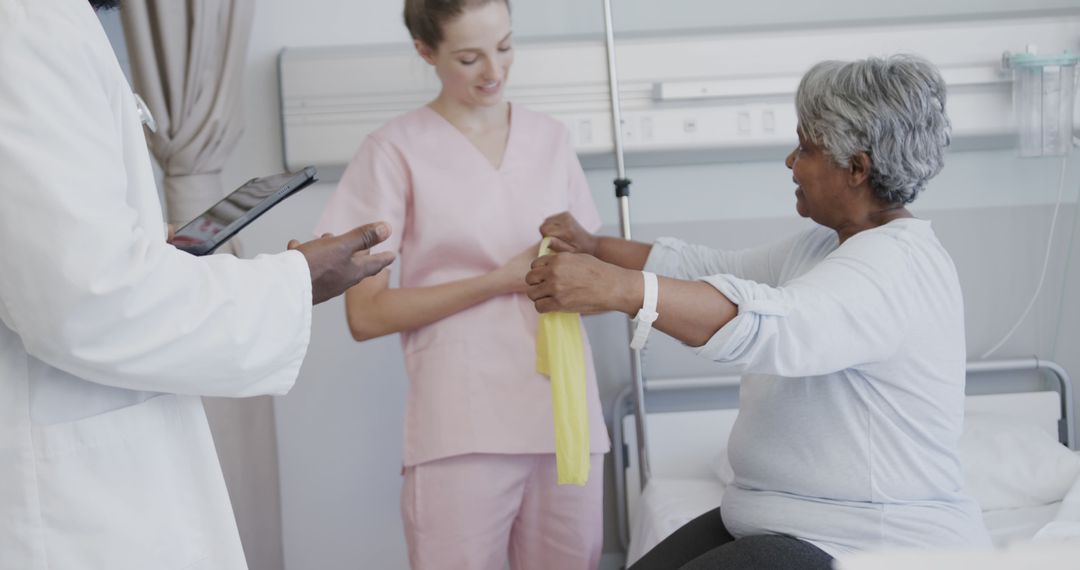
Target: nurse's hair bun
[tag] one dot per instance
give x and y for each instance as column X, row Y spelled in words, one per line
column 425, row 18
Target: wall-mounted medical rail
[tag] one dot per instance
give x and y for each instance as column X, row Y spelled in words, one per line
column 705, row 93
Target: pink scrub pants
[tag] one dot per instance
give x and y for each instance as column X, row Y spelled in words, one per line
column 476, row 511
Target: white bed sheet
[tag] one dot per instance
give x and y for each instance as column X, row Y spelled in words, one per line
column 1007, row 526
column 669, row 503
column 666, row 505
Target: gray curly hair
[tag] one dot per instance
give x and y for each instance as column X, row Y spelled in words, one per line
column 891, row 108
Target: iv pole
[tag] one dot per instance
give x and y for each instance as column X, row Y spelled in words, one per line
column 622, row 193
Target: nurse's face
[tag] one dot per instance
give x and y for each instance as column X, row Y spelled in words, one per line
column 474, row 58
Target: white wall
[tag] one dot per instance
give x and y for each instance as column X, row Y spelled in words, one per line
column 110, row 20
column 340, row 428
column 557, row 17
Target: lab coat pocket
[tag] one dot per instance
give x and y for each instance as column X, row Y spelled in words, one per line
column 119, row 490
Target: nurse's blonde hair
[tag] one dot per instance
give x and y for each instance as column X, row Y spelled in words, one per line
column 425, row 18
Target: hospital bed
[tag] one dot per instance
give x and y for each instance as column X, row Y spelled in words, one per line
column 1018, row 452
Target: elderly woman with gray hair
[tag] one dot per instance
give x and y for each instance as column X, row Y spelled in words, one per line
column 850, row 336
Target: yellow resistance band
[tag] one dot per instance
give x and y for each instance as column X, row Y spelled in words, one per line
column 560, row 355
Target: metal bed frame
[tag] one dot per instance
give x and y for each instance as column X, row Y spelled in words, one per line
column 626, row 404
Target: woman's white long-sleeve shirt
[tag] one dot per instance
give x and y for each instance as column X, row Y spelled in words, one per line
column 852, row 397
column 107, row 334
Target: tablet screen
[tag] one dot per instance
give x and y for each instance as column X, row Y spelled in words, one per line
column 207, row 231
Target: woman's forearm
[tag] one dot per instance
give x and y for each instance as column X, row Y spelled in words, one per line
column 376, row 309
column 624, row 253
column 690, row 311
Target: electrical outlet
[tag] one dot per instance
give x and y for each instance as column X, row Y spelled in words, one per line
column 646, row 128
column 768, row 121
column 585, row 134
column 744, row 122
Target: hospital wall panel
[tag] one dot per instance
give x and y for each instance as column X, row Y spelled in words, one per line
column 705, row 96
column 561, row 17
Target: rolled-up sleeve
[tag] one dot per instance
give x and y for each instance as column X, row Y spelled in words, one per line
column 677, row 259
column 848, row 310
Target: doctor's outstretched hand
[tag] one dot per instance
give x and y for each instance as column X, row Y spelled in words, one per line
column 581, row 283
column 339, row 262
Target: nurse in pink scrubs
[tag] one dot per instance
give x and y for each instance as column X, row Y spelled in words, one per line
column 465, row 181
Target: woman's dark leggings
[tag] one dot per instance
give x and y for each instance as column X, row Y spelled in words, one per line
column 705, row 544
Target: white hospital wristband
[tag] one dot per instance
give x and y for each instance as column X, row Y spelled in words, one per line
column 645, row 317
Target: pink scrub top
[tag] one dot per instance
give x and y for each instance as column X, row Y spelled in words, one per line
column 473, row 381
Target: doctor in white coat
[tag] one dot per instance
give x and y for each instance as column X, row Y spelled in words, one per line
column 108, row 335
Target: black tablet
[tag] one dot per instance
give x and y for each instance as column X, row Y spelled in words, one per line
column 215, row 226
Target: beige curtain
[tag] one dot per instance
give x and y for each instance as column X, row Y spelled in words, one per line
column 187, row 62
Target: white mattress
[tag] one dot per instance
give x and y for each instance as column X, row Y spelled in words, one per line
column 669, row 503
column 1012, row 525
column 666, row 505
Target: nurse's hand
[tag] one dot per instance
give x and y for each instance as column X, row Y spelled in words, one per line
column 567, row 235
column 339, row 262
column 579, row 283
column 510, row 278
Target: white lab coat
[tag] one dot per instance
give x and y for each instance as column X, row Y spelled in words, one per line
column 107, row 334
